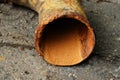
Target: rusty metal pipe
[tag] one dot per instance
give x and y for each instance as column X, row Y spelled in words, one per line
column 64, row 36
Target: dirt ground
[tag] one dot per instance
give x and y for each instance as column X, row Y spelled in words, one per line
column 20, row 61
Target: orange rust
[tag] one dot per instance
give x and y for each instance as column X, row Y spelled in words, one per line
column 66, row 46
column 68, row 1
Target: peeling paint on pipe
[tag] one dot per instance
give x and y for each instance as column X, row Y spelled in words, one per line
column 64, row 36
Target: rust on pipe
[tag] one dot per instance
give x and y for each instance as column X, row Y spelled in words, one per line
column 64, row 36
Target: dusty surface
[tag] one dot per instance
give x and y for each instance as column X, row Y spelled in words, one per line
column 20, row 61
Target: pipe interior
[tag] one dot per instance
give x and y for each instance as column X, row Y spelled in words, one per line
column 65, row 41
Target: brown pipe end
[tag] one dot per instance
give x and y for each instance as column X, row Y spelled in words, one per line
column 64, row 40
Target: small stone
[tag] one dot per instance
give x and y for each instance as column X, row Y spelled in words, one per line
column 118, row 39
column 9, row 51
column 74, row 75
column 2, row 58
column 111, row 79
column 115, row 50
column 70, row 74
column 22, row 48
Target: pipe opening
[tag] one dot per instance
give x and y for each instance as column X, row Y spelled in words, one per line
column 66, row 41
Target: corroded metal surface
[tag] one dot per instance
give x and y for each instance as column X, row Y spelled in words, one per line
column 50, row 10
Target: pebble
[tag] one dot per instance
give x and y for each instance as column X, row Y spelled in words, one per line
column 2, row 58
